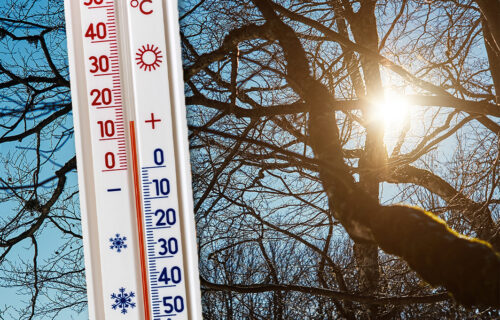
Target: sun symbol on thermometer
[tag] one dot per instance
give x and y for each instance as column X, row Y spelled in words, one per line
column 148, row 57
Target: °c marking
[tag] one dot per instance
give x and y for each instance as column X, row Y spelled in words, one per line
column 152, row 121
column 136, row 3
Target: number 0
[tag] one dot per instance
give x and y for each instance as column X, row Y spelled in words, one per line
column 158, row 156
column 109, row 160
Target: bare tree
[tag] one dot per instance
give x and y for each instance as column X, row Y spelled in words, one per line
column 41, row 257
column 291, row 156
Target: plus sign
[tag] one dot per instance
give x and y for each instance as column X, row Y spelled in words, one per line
column 153, row 120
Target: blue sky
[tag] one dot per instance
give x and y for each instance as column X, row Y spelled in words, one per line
column 57, row 145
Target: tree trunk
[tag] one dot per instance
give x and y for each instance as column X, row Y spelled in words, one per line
column 467, row 267
column 491, row 12
column 364, row 28
column 493, row 57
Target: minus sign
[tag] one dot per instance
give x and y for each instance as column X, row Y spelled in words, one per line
column 115, row 189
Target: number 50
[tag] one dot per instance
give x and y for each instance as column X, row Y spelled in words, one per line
column 177, row 304
column 89, row 2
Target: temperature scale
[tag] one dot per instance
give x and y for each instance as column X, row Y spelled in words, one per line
column 133, row 160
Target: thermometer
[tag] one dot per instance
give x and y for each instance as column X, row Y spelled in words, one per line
column 133, row 160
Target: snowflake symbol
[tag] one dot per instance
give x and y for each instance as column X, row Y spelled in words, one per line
column 118, row 243
column 123, row 300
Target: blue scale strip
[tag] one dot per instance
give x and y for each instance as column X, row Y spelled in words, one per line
column 153, row 273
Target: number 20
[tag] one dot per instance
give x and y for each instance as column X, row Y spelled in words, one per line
column 101, row 96
column 166, row 217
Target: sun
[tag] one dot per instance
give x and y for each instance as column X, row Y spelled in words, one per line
column 393, row 110
column 148, row 57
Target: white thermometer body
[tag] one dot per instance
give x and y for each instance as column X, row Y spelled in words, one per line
column 133, row 159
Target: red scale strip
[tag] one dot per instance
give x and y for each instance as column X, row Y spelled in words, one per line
column 120, row 137
column 116, row 87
